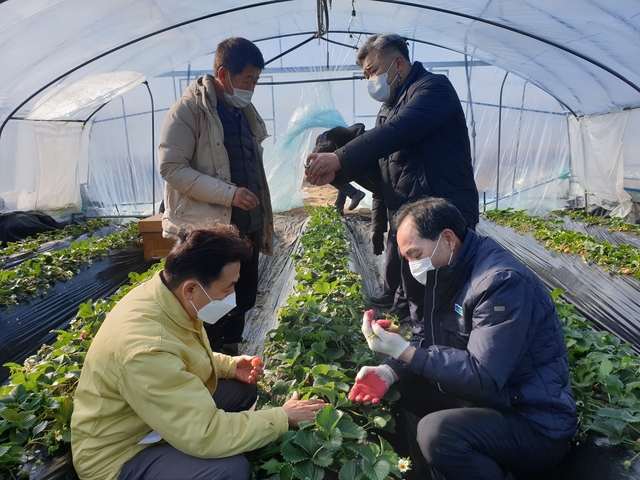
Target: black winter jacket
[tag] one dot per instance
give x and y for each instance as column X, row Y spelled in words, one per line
column 421, row 144
column 491, row 336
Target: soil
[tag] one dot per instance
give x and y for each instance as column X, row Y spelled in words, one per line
column 319, row 197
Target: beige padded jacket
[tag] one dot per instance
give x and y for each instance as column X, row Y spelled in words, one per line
column 195, row 166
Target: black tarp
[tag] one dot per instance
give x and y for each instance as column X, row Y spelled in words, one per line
column 20, row 225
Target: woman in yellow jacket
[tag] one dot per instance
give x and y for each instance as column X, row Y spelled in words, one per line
column 153, row 400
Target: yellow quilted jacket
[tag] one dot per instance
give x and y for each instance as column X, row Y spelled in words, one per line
column 150, row 367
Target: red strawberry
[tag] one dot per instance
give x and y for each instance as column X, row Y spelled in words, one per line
column 384, row 324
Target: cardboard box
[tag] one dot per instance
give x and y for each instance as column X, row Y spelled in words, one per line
column 153, row 243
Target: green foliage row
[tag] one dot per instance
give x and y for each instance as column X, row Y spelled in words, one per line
column 616, row 258
column 31, row 244
column 613, row 224
column 317, row 350
column 36, row 406
column 605, row 378
column 33, row 277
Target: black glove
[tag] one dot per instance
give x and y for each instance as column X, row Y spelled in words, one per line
column 377, row 238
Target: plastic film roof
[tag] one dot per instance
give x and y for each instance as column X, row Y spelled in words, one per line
column 582, row 52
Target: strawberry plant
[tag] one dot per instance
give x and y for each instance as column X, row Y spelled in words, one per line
column 31, row 244
column 619, row 258
column 34, row 276
column 613, row 224
column 605, row 378
column 316, row 350
column 36, row 406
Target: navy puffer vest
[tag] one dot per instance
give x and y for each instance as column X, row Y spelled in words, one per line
column 238, row 141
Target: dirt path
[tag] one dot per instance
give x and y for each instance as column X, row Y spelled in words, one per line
column 319, row 197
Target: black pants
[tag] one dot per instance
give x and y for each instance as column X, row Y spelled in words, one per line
column 344, row 191
column 165, row 462
column 230, row 327
column 464, row 442
column 392, row 279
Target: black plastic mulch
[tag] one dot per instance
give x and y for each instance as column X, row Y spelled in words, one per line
column 611, row 301
column 602, row 233
column 15, row 260
column 31, row 324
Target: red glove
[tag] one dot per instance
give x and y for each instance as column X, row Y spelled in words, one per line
column 371, row 384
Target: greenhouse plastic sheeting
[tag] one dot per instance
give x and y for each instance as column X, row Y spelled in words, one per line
column 610, row 301
column 285, row 162
column 551, row 90
column 30, row 324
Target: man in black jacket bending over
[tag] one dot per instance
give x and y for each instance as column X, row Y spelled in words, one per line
column 420, row 142
column 488, row 374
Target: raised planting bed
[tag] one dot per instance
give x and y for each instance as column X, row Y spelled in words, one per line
column 611, row 301
column 14, row 253
column 33, row 277
column 317, row 350
column 30, row 324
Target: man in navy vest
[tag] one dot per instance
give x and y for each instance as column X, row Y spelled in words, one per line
column 210, row 156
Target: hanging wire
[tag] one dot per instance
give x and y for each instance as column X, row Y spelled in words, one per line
column 352, row 20
column 323, row 16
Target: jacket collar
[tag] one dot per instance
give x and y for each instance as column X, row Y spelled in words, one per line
column 451, row 278
column 417, row 69
column 203, row 88
column 171, row 306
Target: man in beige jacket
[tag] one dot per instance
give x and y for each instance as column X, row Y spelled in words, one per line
column 210, row 156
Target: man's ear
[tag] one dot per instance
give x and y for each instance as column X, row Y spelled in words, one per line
column 187, row 288
column 449, row 237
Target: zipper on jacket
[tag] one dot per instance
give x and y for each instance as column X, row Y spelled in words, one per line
column 433, row 308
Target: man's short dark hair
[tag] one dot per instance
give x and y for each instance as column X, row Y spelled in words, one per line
column 235, row 54
column 383, row 43
column 203, row 251
column 431, row 216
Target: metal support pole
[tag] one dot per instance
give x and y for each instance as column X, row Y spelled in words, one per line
column 499, row 139
column 153, row 152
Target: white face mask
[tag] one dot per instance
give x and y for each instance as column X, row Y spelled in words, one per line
column 215, row 309
column 378, row 87
column 240, row 98
column 420, row 268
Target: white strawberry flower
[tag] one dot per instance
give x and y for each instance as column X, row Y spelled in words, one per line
column 404, row 465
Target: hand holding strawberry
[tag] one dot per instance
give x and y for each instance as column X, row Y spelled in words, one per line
column 249, row 369
column 379, row 339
